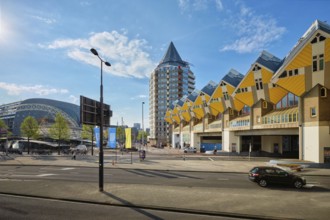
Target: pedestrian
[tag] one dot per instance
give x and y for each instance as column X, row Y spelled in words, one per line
column 73, row 155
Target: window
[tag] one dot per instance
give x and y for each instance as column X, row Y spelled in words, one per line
column 264, row 104
column 283, row 75
column 231, row 112
column 318, row 62
column 318, row 38
column 287, row 101
column 321, row 62
column 258, row 119
column 256, row 68
column 226, row 96
column 323, row 92
column 313, row 112
column 259, row 84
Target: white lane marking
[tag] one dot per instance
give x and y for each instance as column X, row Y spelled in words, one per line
column 223, row 179
column 211, row 159
column 24, row 175
column 18, row 180
column 68, row 168
column 313, row 182
column 46, row 174
column 308, row 186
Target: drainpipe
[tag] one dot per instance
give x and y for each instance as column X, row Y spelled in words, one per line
column 301, row 129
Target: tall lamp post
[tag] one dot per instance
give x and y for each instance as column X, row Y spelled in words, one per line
column 142, row 126
column 101, row 121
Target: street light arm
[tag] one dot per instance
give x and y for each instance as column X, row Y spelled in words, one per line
column 97, row 54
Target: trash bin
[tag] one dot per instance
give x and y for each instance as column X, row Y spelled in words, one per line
column 142, row 154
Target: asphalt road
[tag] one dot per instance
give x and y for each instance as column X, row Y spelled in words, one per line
column 27, row 208
column 209, row 191
column 147, row 177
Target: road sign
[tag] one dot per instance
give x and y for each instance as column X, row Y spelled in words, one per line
column 90, row 112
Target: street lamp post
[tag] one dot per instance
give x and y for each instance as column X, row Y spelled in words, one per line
column 101, row 121
column 142, row 126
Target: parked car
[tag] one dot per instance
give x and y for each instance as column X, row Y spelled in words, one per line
column 189, row 150
column 80, row 149
column 265, row 175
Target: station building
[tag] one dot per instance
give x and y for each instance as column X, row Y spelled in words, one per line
column 44, row 111
column 280, row 107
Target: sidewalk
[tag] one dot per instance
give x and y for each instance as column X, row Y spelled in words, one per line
column 178, row 162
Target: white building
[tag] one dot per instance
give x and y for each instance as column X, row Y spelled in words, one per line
column 170, row 81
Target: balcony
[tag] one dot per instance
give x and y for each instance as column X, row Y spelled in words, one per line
column 283, row 118
column 215, row 125
column 240, row 123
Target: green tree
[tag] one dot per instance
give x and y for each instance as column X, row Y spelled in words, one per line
column 30, row 129
column 3, row 127
column 4, row 130
column 120, row 134
column 87, row 132
column 142, row 134
column 59, row 130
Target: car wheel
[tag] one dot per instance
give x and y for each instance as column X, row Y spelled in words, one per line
column 298, row 184
column 262, row 183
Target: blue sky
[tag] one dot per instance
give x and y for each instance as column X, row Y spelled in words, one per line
column 44, row 44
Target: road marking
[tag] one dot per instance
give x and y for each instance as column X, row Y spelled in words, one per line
column 68, row 168
column 211, row 159
column 24, row 175
column 46, row 174
column 18, row 180
column 313, row 182
column 309, row 186
column 223, row 179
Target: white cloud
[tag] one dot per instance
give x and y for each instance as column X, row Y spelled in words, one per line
column 139, row 97
column 128, row 57
column 74, row 99
column 199, row 5
column 14, row 89
column 44, row 19
column 255, row 32
column 218, row 4
column 85, row 3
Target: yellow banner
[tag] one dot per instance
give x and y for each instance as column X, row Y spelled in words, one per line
column 128, row 133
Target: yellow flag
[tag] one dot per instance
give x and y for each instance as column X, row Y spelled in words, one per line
column 128, row 143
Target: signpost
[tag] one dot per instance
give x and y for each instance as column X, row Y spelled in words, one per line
column 96, row 113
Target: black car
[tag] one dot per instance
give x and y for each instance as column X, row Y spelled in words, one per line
column 265, row 175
